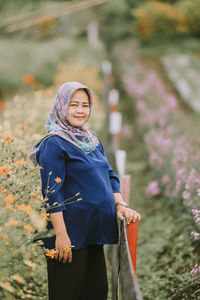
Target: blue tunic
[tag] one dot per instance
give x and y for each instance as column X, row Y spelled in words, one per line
column 87, row 178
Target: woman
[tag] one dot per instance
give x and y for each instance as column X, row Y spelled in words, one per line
column 83, row 198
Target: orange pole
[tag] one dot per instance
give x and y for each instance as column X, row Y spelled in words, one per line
column 132, row 233
column 132, row 228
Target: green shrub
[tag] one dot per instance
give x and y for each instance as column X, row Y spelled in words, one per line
column 158, row 19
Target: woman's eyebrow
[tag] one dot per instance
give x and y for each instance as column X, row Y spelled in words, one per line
column 76, row 101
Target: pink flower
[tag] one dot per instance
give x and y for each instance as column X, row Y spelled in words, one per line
column 153, row 188
column 187, row 186
column 165, row 178
column 195, row 272
column 196, row 214
column 171, row 100
column 195, row 235
column 141, row 105
column 186, row 195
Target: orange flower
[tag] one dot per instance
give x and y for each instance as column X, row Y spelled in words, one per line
column 10, row 209
column 13, row 222
column 9, row 199
column 1, row 190
column 24, row 207
column 38, row 199
column 58, row 180
column 28, row 228
column 51, row 253
column 23, row 126
column 33, row 195
column 19, row 163
column 5, row 236
column 28, row 79
column 4, row 170
column 20, row 174
column 32, row 277
column 7, row 138
column 48, row 92
column 44, row 215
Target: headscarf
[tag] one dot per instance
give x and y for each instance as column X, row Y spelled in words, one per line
column 57, row 123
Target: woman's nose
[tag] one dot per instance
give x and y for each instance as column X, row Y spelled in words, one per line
column 79, row 108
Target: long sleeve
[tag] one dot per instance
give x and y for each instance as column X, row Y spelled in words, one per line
column 114, row 180
column 53, row 170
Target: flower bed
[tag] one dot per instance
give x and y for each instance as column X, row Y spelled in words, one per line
column 184, row 72
column 23, row 119
column 173, row 154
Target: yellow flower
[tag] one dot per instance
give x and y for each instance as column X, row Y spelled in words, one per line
column 58, row 180
column 4, row 170
column 28, row 228
column 181, row 28
column 19, row 163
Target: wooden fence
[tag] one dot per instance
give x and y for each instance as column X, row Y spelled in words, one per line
column 124, row 281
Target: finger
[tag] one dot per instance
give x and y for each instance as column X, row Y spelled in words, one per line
column 61, row 254
column 70, row 256
column 65, row 255
column 128, row 216
column 119, row 214
column 131, row 217
column 136, row 216
column 56, row 254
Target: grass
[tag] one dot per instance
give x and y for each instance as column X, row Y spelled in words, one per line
column 165, row 46
column 28, row 57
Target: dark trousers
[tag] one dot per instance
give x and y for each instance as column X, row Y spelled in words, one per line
column 85, row 278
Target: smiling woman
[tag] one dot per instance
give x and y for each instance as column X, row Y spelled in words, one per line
column 79, row 108
column 86, row 201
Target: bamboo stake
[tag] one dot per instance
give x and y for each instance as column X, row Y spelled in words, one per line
column 63, row 10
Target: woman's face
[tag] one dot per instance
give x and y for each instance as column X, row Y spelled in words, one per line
column 79, row 108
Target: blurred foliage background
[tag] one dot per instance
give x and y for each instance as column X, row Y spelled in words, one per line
column 154, row 48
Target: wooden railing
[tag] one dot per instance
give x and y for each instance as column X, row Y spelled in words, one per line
column 123, row 262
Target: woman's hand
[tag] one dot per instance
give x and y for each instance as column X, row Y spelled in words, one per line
column 130, row 214
column 63, row 242
column 63, row 250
